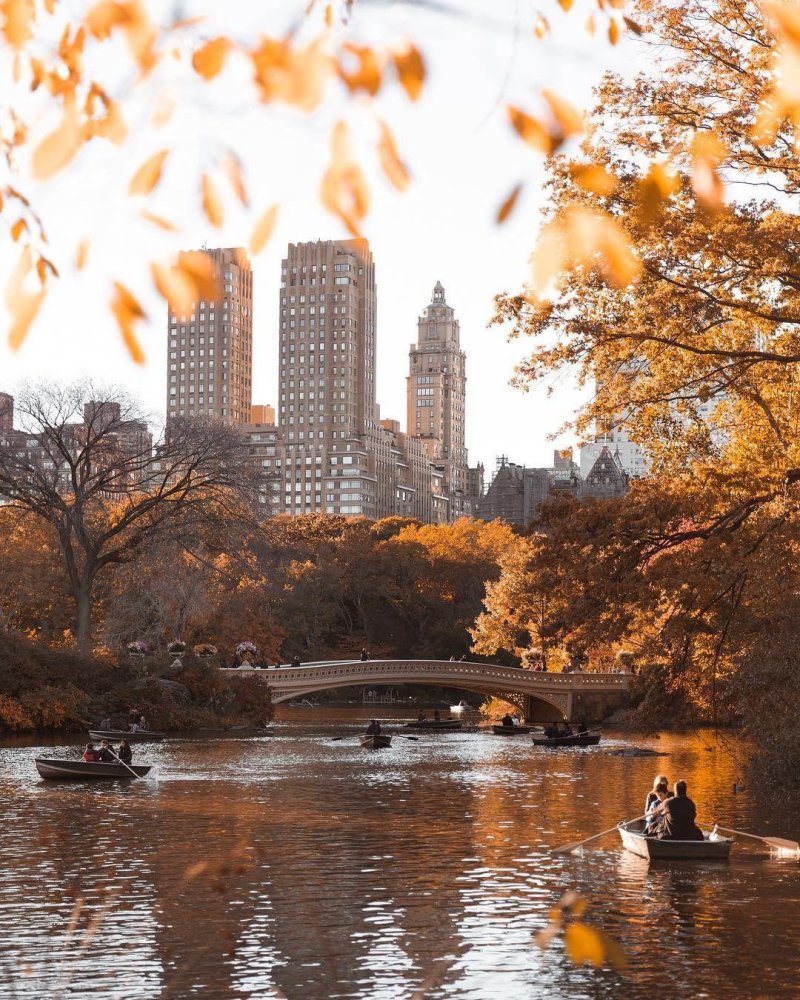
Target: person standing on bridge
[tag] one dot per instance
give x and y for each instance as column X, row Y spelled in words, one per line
column 364, row 655
column 295, row 660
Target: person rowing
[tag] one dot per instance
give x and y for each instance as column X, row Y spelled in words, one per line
column 374, row 728
column 125, row 753
column 508, row 722
column 105, row 754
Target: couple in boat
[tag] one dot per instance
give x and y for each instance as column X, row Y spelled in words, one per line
column 106, row 755
column 670, row 815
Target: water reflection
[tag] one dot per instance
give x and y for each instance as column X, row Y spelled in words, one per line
column 296, row 866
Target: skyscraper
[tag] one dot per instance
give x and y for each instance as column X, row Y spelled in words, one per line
column 211, row 347
column 327, row 410
column 437, row 390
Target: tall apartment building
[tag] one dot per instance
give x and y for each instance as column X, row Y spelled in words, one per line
column 210, row 347
column 436, row 391
column 327, row 408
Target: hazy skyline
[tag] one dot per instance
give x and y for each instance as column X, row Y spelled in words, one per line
column 463, row 156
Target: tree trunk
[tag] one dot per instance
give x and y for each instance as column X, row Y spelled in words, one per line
column 83, row 610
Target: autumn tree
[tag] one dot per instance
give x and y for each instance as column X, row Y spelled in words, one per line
column 84, row 464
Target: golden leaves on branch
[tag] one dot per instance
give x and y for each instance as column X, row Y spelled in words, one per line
column 149, row 174
column 212, row 203
column 658, row 184
column 581, row 237
column 22, row 304
column 128, row 313
column 130, row 16
column 782, row 102
column 209, row 60
column 594, row 178
column 344, row 190
column 390, row 161
column 293, row 74
column 263, row 230
column 367, row 74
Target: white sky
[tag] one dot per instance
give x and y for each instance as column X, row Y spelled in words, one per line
column 464, row 159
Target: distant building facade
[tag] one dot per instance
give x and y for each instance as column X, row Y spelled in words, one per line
column 210, row 347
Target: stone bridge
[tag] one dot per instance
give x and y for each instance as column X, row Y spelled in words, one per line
column 544, row 697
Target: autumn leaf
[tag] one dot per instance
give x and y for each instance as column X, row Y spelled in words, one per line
column 212, row 203
column 509, row 204
column 583, row 944
column 159, row 220
column 294, row 75
column 410, row 68
column 540, row 26
column 200, row 269
column 631, row 25
column 613, row 31
column 531, row 130
column 18, row 19
column 19, row 227
column 209, row 60
column 565, row 5
column 59, row 148
column 149, row 174
column 654, row 189
column 390, row 161
column 263, row 230
column 582, row 237
column 343, row 189
column 707, row 153
column 164, row 109
column 234, row 170
column 569, row 118
column 367, row 74
column 127, row 313
column 81, row 254
column 176, row 285
column 22, row 305
column 594, row 178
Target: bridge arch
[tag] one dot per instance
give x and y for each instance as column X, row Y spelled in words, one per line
column 560, row 692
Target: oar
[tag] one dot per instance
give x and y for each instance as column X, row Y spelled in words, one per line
column 120, row 761
column 568, row 848
column 777, row 842
column 414, row 738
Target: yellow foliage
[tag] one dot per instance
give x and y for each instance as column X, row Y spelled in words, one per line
column 343, row 190
column 263, row 230
column 58, row 149
column 149, row 174
column 392, row 165
column 209, row 60
column 212, row 203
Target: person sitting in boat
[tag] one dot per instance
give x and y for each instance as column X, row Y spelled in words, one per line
column 104, row 754
column 436, row 716
column 90, row 754
column 583, row 729
column 422, row 717
column 125, row 753
column 508, row 722
column 105, row 724
column 676, row 816
column 143, row 727
column 374, row 728
column 660, row 793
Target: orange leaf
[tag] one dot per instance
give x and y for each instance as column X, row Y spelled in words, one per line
column 164, row 109
column 263, row 230
column 566, row 4
column 367, row 75
column 590, row 27
column 232, row 166
column 343, row 189
column 531, row 130
column 708, row 153
column 569, row 118
column 149, row 174
column 410, row 68
column 81, row 253
column 128, row 312
column 540, row 26
column 176, row 285
column 613, row 31
column 159, row 220
column 209, row 60
column 200, row 268
column 23, row 306
column 328, row 15
column 296, row 76
column 584, row 944
column 631, row 25
column 19, row 16
column 59, row 148
column 212, row 203
column 509, row 204
column 392, row 165
column 594, row 178
column 19, row 227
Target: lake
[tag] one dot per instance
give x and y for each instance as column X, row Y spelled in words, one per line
column 295, row 865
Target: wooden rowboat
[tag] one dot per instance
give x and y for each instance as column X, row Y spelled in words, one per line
column 510, row 730
column 115, row 735
column 443, row 724
column 376, row 741
column 586, row 740
column 82, row 770
column 713, row 847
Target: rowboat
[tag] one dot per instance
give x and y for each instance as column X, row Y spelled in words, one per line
column 115, row 735
column 82, row 770
column 444, row 724
column 510, row 730
column 713, row 847
column 376, row 741
column 581, row 740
